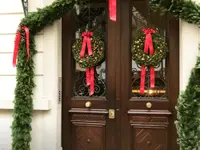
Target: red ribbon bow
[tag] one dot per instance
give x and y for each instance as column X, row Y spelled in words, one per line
column 148, row 46
column 17, row 42
column 86, row 41
column 89, row 71
column 112, row 9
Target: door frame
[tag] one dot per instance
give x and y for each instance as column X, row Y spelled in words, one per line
column 121, row 87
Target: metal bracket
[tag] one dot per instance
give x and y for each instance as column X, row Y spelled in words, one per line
column 59, row 90
column 25, row 6
column 111, row 114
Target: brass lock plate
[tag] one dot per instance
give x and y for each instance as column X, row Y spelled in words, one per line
column 111, row 114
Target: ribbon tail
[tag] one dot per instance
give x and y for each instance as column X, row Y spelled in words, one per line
column 146, row 44
column 82, row 53
column 91, row 81
column 27, row 41
column 112, row 9
column 152, row 77
column 89, row 46
column 88, row 76
column 142, row 81
column 151, row 48
column 16, row 47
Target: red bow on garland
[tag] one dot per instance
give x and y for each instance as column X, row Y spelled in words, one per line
column 17, row 43
column 89, row 71
column 148, row 46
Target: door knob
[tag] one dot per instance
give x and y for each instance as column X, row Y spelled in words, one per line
column 148, row 105
column 88, row 104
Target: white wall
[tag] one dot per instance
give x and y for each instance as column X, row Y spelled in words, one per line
column 47, row 113
column 189, row 50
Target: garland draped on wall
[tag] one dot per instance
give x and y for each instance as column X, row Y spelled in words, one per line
column 187, row 10
column 23, row 102
column 187, row 123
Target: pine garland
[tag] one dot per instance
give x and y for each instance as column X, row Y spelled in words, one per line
column 187, row 10
column 23, row 102
column 188, row 122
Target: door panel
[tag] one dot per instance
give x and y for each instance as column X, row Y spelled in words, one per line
column 149, row 131
column 146, row 138
column 149, row 117
column 88, row 131
column 86, row 125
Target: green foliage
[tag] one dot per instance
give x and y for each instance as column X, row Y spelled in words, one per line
column 187, row 10
column 23, row 102
column 36, row 21
column 188, row 122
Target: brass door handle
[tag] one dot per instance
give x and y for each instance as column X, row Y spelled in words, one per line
column 149, row 105
column 88, row 104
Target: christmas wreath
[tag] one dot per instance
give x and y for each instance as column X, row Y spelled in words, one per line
column 95, row 47
column 149, row 50
column 140, row 48
column 94, row 55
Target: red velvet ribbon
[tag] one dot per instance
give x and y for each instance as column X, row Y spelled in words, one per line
column 17, row 43
column 112, row 9
column 89, row 71
column 148, row 47
column 86, row 42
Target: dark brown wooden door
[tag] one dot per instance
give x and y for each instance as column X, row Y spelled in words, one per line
column 141, row 122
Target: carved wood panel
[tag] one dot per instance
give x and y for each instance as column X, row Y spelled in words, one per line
column 149, row 132
column 150, row 139
column 88, row 132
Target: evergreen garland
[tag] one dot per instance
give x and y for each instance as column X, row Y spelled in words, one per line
column 187, row 10
column 188, row 122
column 23, row 101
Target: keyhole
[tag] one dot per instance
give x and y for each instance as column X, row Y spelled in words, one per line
column 148, row 142
column 88, row 140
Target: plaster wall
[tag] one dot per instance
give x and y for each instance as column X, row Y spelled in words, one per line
column 46, row 133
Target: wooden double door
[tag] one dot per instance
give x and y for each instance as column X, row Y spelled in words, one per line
column 117, row 116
